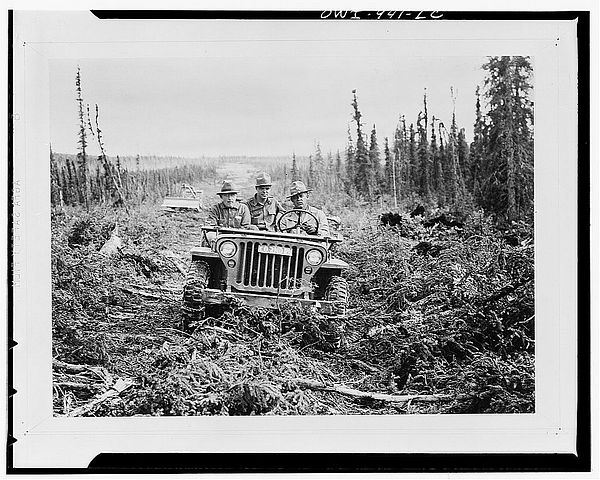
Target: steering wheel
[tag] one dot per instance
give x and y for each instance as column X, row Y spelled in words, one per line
column 298, row 223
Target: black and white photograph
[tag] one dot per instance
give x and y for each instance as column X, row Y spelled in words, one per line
column 295, row 220
column 293, row 236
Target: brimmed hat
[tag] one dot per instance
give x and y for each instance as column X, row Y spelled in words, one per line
column 297, row 188
column 227, row 187
column 263, row 180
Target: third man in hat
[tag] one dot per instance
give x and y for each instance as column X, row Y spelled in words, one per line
column 264, row 209
column 315, row 224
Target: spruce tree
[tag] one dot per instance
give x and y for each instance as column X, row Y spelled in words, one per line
column 455, row 181
column 82, row 171
column 350, row 164
column 477, row 150
column 508, row 188
column 294, row 172
column 452, row 173
column 388, row 174
column 76, row 185
column 424, row 187
column 396, row 170
column 338, row 167
column 423, row 153
column 413, row 170
column 374, row 172
column 362, row 181
column 463, row 158
column 330, row 177
column 437, row 180
column 401, row 158
column 319, row 167
column 390, row 182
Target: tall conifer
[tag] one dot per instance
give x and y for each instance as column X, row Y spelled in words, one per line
column 374, row 165
column 294, row 172
column 508, row 188
column 437, row 180
column 477, row 150
column 82, row 170
column 350, row 164
column 361, row 180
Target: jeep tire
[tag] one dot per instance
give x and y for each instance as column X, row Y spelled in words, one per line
column 337, row 291
column 196, row 281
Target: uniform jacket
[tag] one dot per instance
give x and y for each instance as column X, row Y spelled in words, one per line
column 223, row 216
column 264, row 215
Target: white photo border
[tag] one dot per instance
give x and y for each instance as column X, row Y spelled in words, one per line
column 45, row 441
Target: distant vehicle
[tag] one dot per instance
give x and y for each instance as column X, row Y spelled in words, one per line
column 266, row 269
column 189, row 199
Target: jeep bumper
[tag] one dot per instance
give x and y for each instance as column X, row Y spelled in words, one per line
column 218, row 297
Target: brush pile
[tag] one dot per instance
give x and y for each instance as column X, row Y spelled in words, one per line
column 424, row 334
column 457, row 321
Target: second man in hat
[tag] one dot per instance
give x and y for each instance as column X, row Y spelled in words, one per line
column 264, row 209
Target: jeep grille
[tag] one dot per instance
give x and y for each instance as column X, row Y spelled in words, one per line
column 282, row 273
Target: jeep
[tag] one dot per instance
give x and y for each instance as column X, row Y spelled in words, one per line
column 265, row 269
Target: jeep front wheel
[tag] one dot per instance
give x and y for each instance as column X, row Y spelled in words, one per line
column 337, row 291
column 195, row 282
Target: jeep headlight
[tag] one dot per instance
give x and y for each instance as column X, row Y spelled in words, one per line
column 314, row 257
column 227, row 249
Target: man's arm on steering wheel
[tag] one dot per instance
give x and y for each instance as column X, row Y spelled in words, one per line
column 305, row 226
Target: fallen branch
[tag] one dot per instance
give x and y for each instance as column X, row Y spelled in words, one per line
column 84, row 386
column 366, row 366
column 221, row 330
column 141, row 293
column 119, row 386
column 161, row 288
column 504, row 291
column 175, row 260
column 133, row 336
column 100, row 372
column 179, row 332
column 383, row 397
column 69, row 367
column 354, row 361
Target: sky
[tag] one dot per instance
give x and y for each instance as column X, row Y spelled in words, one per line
column 253, row 105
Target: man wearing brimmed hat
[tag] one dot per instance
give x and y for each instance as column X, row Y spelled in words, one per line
column 299, row 195
column 229, row 212
column 263, row 208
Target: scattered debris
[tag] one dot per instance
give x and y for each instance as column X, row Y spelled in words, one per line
column 428, row 248
column 391, row 219
column 449, row 330
column 113, row 245
column 381, row 397
column 419, row 210
column 443, row 220
column 119, row 386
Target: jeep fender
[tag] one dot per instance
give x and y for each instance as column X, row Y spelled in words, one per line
column 203, row 252
column 335, row 263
